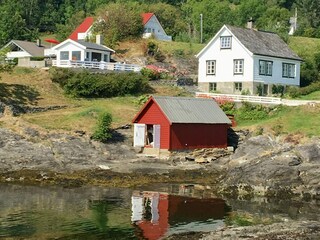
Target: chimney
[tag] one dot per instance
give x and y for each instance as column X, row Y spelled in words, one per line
column 38, row 42
column 250, row 23
column 99, row 39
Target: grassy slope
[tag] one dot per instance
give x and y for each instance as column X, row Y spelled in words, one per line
column 34, row 87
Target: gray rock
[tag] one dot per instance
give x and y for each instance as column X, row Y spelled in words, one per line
column 309, row 153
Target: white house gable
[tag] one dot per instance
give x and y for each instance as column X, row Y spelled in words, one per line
column 153, row 27
column 238, row 59
column 225, row 60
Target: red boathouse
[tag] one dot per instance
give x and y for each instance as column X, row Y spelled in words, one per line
column 177, row 123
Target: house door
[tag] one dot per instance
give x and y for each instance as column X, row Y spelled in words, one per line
column 139, row 135
column 156, row 136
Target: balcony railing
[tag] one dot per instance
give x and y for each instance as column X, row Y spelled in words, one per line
column 97, row 65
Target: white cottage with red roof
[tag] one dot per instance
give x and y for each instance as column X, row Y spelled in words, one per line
column 152, row 27
column 83, row 31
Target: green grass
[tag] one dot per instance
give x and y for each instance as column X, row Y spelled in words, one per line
column 293, row 120
column 311, row 96
column 304, row 47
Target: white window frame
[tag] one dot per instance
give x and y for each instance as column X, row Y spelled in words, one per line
column 238, row 86
column 64, row 55
column 212, row 86
column 265, row 67
column 211, row 67
column 225, row 42
column 238, row 66
column 288, row 70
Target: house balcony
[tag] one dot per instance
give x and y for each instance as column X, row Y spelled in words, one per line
column 97, row 65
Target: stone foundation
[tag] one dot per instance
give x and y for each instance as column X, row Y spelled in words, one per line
column 249, row 88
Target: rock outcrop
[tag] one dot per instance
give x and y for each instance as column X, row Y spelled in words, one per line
column 271, row 166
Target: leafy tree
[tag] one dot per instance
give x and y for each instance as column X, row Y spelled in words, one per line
column 12, row 25
column 170, row 17
column 311, row 11
column 64, row 30
column 114, row 26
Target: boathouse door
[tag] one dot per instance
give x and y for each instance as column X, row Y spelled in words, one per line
column 139, row 135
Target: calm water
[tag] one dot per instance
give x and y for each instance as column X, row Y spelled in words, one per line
column 153, row 212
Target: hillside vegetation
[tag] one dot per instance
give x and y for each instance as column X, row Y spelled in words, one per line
column 33, row 87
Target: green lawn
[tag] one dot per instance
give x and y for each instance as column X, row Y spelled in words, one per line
column 304, row 47
column 302, row 119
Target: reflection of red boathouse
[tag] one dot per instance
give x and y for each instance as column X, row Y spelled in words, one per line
column 153, row 213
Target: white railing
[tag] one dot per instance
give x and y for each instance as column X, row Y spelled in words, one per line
column 240, row 98
column 97, row 65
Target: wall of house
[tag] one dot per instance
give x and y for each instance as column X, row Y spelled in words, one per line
column 17, row 54
column 228, row 87
column 153, row 27
column 70, row 47
column 276, row 77
column 26, row 62
column 192, row 136
column 225, row 63
column 152, row 115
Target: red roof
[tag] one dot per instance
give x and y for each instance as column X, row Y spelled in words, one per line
column 146, row 17
column 82, row 28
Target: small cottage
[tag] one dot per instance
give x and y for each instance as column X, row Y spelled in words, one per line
column 24, row 51
column 177, row 123
column 153, row 28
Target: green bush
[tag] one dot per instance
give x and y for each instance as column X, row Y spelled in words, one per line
column 250, row 111
column 278, row 89
column 295, row 92
column 103, row 130
column 150, row 74
column 36, row 58
column 61, row 75
column 85, row 84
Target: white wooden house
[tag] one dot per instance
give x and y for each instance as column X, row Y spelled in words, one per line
column 24, row 51
column 245, row 59
column 70, row 50
column 152, row 27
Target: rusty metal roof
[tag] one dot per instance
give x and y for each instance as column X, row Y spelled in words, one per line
column 191, row 110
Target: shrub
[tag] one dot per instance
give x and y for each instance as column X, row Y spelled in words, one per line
column 150, row 74
column 60, row 75
column 36, row 58
column 249, row 111
column 85, row 84
column 260, row 90
column 293, row 92
column 278, row 89
column 103, row 130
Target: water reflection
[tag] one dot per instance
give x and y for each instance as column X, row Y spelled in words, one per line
column 152, row 212
column 158, row 214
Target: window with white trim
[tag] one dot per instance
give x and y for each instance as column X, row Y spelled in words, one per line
column 64, row 55
column 238, row 66
column 212, row 87
column 238, row 86
column 211, row 67
column 265, row 67
column 225, row 42
column 288, row 70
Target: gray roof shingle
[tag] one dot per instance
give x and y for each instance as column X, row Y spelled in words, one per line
column 191, row 110
column 95, row 46
column 263, row 43
column 31, row 47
